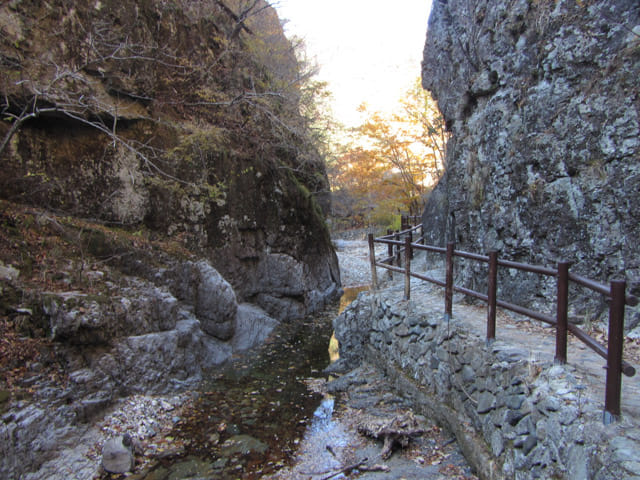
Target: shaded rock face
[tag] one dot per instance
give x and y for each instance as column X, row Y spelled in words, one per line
column 176, row 118
column 213, row 298
column 138, row 337
column 157, row 152
column 543, row 103
column 254, row 326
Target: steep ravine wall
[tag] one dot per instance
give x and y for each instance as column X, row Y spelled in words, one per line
column 176, row 119
column 161, row 207
column 543, row 104
column 513, row 417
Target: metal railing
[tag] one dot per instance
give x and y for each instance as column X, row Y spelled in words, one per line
column 401, row 248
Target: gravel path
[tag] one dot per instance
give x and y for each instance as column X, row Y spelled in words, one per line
column 584, row 367
column 353, row 256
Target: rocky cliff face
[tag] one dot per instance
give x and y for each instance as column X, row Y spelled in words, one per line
column 161, row 203
column 179, row 118
column 543, row 103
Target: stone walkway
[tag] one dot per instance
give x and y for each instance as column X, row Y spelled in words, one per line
column 537, row 340
column 584, row 373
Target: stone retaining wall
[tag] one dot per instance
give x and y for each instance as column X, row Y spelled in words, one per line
column 514, row 417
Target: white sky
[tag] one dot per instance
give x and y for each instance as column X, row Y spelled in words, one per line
column 368, row 50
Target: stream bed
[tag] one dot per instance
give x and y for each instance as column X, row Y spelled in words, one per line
column 250, row 415
column 269, row 414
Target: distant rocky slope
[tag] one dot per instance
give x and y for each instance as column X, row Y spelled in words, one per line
column 161, row 201
column 542, row 100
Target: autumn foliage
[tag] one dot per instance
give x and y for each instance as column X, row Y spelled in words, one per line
column 390, row 163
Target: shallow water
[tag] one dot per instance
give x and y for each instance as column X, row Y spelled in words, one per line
column 253, row 412
column 350, row 295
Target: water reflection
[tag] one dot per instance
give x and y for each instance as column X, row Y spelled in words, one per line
column 322, row 440
column 350, row 294
column 334, row 348
column 322, row 415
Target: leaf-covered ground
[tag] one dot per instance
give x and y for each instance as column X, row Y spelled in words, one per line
column 42, row 253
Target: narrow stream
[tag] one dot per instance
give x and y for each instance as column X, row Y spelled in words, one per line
column 252, row 413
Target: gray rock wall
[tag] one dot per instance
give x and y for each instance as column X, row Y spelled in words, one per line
column 542, row 101
column 138, row 337
column 514, row 418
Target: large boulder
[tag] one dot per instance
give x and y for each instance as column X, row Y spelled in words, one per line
column 216, row 304
column 254, row 325
column 213, row 299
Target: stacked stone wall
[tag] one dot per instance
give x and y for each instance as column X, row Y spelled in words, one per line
column 514, row 416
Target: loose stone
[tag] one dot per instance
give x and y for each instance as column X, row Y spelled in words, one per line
column 117, row 455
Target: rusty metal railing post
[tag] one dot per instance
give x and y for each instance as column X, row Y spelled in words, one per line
column 562, row 313
column 448, row 290
column 372, row 259
column 492, row 289
column 390, row 253
column 410, row 237
column 407, row 268
column 614, row 352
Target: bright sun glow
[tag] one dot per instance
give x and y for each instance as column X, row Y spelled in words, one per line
column 368, row 50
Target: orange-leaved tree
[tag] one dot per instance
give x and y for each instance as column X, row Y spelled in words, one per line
column 358, row 186
column 421, row 111
column 397, row 160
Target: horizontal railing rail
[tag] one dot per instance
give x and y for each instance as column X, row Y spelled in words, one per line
column 401, row 247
